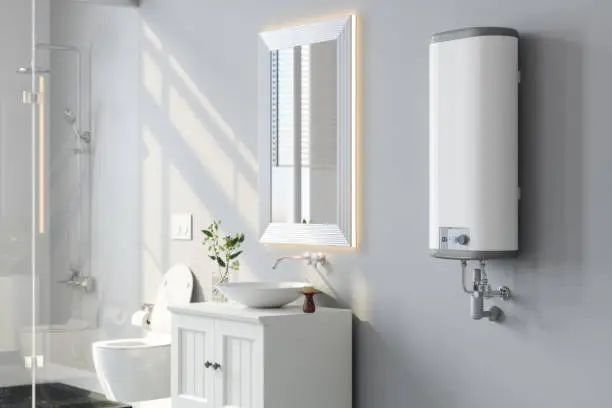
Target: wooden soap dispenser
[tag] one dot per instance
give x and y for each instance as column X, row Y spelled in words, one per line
column 309, row 304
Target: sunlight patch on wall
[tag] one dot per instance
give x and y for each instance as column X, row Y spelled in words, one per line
column 150, row 35
column 182, row 196
column 203, row 145
column 214, row 115
column 361, row 299
column 152, row 78
column 152, row 275
column 247, row 202
column 202, row 99
column 249, row 158
column 152, row 202
column 317, row 279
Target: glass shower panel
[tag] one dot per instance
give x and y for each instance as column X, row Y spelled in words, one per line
column 77, row 299
column 49, row 300
column 67, row 324
column 18, row 197
column 69, row 320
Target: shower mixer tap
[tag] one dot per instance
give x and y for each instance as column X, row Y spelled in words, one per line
column 481, row 290
column 77, row 281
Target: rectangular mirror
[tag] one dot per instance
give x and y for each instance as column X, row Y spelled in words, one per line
column 307, row 134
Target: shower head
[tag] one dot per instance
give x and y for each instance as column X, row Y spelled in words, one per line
column 28, row 71
column 69, row 116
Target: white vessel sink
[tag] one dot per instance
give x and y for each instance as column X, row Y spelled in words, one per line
column 262, row 294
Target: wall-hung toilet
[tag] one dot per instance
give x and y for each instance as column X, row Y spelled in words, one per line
column 132, row 370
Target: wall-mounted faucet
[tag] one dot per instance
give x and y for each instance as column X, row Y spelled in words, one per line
column 310, row 259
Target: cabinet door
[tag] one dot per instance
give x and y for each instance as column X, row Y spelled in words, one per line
column 239, row 351
column 192, row 356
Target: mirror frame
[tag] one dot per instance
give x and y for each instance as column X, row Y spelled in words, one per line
column 344, row 232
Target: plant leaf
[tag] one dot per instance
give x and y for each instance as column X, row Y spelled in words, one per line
column 235, row 255
column 214, row 258
column 207, row 233
column 220, row 262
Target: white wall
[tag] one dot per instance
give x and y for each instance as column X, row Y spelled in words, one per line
column 108, row 37
column 189, row 143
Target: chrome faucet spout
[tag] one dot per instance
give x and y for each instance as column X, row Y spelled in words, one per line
column 279, row 260
column 310, row 259
column 284, row 258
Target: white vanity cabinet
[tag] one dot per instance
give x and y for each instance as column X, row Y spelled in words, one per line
column 229, row 356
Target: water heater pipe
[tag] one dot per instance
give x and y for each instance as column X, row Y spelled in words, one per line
column 481, row 290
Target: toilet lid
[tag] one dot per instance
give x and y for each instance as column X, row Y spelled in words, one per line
column 175, row 290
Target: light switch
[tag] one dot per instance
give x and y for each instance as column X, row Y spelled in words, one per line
column 181, row 227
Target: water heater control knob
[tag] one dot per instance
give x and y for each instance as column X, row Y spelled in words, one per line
column 462, row 239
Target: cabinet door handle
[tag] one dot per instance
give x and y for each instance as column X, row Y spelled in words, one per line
column 208, row 364
column 216, row 366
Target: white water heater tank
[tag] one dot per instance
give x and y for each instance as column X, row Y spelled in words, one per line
column 473, row 143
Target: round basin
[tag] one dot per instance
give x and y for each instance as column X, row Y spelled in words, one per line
column 262, row 294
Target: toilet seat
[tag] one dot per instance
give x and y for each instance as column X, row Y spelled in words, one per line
column 138, row 343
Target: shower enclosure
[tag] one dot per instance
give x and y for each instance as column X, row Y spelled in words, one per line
column 49, row 300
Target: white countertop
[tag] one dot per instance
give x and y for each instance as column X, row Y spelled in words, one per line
column 242, row 313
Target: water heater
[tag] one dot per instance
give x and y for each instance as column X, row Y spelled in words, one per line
column 473, row 146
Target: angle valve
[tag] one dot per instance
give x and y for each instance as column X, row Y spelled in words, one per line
column 481, row 290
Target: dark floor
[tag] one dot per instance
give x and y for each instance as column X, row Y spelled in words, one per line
column 54, row 395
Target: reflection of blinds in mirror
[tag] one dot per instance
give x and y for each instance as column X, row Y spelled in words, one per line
column 274, row 102
column 285, row 108
column 305, row 104
column 296, row 102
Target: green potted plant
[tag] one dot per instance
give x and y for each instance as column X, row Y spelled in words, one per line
column 224, row 251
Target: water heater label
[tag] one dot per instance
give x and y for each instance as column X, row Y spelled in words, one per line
column 454, row 238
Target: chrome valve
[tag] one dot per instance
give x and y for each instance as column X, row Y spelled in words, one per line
column 78, row 281
column 480, row 291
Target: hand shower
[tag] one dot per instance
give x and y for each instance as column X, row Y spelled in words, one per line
column 71, row 119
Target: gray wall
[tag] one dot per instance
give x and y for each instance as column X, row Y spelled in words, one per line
column 415, row 345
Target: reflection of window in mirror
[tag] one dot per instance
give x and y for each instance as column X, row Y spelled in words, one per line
column 304, row 134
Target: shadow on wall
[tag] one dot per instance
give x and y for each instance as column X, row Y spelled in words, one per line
column 551, row 177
